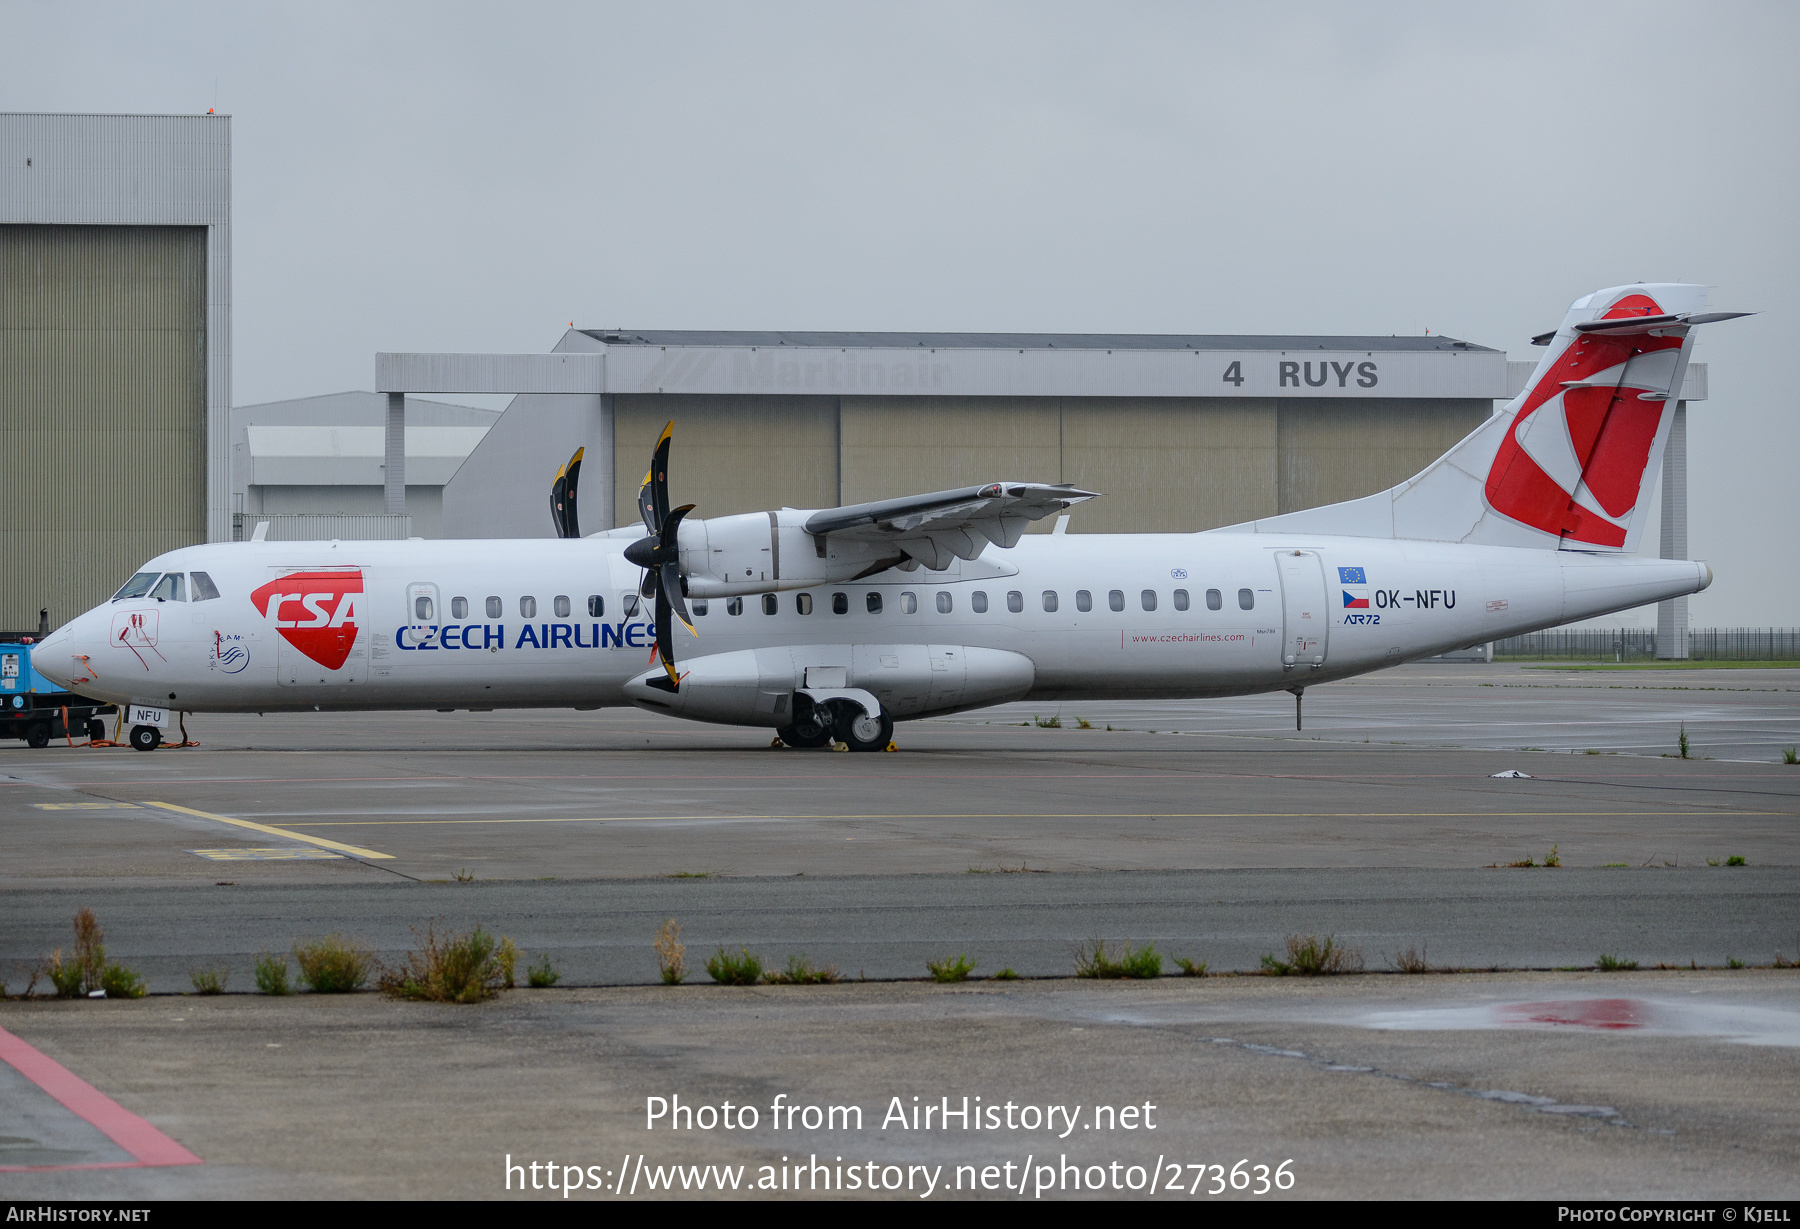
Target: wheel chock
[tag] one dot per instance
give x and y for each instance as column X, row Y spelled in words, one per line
column 840, row 746
column 892, row 747
column 777, row 745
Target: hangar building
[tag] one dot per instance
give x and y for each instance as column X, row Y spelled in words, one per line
column 1181, row 433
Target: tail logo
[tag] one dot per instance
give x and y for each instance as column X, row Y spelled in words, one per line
column 1573, row 460
column 316, row 612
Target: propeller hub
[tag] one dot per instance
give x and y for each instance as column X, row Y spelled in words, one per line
column 645, row 553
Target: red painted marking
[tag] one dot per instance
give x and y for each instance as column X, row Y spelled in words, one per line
column 144, row 1142
column 1581, row 1013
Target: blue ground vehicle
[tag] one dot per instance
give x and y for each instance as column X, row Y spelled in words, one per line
column 37, row 710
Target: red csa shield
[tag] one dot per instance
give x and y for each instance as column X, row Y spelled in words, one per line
column 315, row 612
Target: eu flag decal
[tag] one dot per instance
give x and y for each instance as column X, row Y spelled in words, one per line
column 1351, row 576
column 1355, row 588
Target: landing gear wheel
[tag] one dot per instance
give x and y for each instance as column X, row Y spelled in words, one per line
column 37, row 735
column 861, row 732
column 145, row 738
column 96, row 730
column 811, row 734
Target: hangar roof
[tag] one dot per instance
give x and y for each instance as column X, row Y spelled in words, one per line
column 1026, row 341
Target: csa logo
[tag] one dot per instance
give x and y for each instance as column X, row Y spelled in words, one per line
column 315, row 612
column 1355, row 587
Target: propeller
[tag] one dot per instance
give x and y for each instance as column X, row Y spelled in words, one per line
column 562, row 498
column 659, row 555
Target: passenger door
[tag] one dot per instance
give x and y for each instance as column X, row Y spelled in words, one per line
column 1306, row 618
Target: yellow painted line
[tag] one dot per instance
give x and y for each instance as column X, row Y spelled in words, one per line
column 352, row 850
column 644, row 819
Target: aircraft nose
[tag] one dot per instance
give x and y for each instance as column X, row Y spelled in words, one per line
column 59, row 656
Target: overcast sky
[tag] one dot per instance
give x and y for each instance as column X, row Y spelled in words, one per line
column 476, row 177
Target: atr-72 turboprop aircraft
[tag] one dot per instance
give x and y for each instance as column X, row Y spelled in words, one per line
column 830, row 625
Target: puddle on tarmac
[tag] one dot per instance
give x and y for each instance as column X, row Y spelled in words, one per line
column 1748, row 1024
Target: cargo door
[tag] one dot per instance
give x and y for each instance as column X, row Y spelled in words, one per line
column 1306, row 618
column 317, row 618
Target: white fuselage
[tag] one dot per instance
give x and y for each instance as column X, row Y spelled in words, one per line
column 555, row 623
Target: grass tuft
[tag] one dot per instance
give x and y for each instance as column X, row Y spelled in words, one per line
column 1082, row 723
column 1048, row 723
column 209, row 981
column 447, row 968
column 671, row 953
column 1190, row 968
column 1614, row 964
column 334, row 964
column 65, row 975
column 90, row 949
column 1682, row 741
column 1006, row 974
column 1525, row 862
column 1736, row 860
column 741, row 969
column 1732, row 962
column 120, row 982
column 951, row 969
column 1790, row 755
column 272, row 975
column 465, row 875
column 1311, row 956
column 1552, row 858
column 506, row 955
column 802, row 972
column 1098, row 959
column 1412, row 960
column 542, row 974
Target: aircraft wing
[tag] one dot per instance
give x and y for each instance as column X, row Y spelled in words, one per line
column 932, row 529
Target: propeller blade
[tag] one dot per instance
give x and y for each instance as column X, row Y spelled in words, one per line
column 558, row 493
column 653, row 496
column 665, row 647
column 571, row 525
column 670, row 587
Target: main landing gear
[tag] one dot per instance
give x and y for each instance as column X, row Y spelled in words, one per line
column 841, row 721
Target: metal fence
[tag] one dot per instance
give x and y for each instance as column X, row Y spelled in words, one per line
column 1639, row 644
column 320, row 527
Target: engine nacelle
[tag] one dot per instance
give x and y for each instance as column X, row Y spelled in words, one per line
column 759, row 686
column 756, row 552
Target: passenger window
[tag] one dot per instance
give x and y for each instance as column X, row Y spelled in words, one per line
column 909, row 603
column 698, row 606
column 1148, row 597
column 137, row 586
column 1015, row 601
column 528, row 608
column 1116, row 599
column 1246, row 599
column 873, row 602
column 803, row 603
column 769, row 603
column 1181, row 599
column 1084, row 601
column 1213, row 599
column 734, row 606
column 1050, row 600
column 978, row 601
column 422, row 608
column 204, row 589
column 943, row 602
column 561, row 605
column 631, row 605
column 840, row 603
column 596, row 606
column 459, row 608
column 494, row 609
column 172, row 588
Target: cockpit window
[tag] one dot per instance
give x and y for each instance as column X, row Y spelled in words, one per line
column 171, row 588
column 138, row 585
column 204, row 589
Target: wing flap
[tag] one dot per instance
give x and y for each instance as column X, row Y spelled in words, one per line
column 935, row 528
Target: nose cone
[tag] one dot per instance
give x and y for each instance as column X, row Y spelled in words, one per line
column 63, row 655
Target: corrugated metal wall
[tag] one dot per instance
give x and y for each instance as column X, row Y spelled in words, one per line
column 103, row 425
column 1333, row 452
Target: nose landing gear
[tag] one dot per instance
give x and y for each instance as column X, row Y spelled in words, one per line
column 145, row 738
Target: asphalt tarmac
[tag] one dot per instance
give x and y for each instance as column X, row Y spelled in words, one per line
column 1213, row 830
